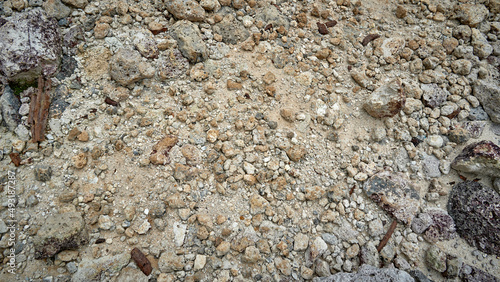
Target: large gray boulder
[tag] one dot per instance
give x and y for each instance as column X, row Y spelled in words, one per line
column 30, row 45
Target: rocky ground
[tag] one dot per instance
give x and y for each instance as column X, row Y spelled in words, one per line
column 250, row 140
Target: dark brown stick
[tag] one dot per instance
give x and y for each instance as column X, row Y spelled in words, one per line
column 39, row 110
column 387, row 235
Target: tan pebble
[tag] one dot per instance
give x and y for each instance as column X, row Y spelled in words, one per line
column 233, row 85
column 72, row 135
column 80, row 160
column 83, row 136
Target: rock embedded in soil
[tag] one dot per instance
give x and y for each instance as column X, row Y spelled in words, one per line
column 231, row 30
column 43, row 173
column 434, row 96
column 160, row 151
column 481, row 158
column 488, row 93
column 189, row 10
column 394, row 194
column 436, row 258
column 471, row 14
column 90, row 269
column 475, row 208
column 145, row 43
column 369, row 273
column 60, row 232
column 126, row 67
column 35, row 29
column 386, row 101
column 435, row 224
column 9, row 109
column 189, row 41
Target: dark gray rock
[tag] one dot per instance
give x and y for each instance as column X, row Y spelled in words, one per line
column 60, row 232
column 68, row 66
column 475, row 209
column 477, row 113
column 481, row 158
column 419, row 276
column 231, row 30
column 9, row 108
column 72, row 38
column 189, row 41
column 43, row 173
column 368, row 273
column 395, row 194
column 189, row 10
column 59, row 100
column 30, row 46
column 172, row 65
column 470, row 273
column 442, row 226
column 488, row 93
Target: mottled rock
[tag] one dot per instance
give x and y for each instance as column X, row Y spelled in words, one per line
column 60, row 232
column 386, row 101
column 471, row 14
column 160, row 151
column 129, row 274
column 459, row 135
column 189, row 40
column 90, row 269
column 482, row 47
column 461, row 66
column 145, row 43
column 316, row 249
column 369, row 255
column 394, row 194
column 189, row 10
column 9, row 109
column 76, row 3
column 231, row 30
column 470, row 273
column 434, row 96
column 296, row 152
column 475, row 209
column 440, row 225
column 488, row 93
column 56, row 9
column 126, row 67
column 436, row 258
column 430, row 164
column 35, row 29
column 172, row 65
column 170, row 262
column 271, row 15
column 369, row 273
column 481, row 158
column 43, row 173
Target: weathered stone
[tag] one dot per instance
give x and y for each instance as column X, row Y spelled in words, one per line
column 43, row 173
column 386, row 101
column 186, row 10
column 90, row 269
column 129, row 274
column 145, row 43
column 316, row 249
column 170, row 262
column 392, row 47
column 430, row 165
column 56, row 9
column 369, row 273
column 30, row 46
column 189, row 40
column 459, row 135
column 488, row 93
column 441, row 225
column 172, row 65
column 473, row 274
column 160, row 151
column 60, row 232
column 231, row 30
column 471, row 14
column 76, row 3
column 394, row 194
column 482, row 48
column 271, row 15
column 296, row 152
column 481, row 158
column 475, row 209
column 9, row 109
column 126, row 67
column 461, row 67
column 369, row 255
column 434, row 96
column 436, row 258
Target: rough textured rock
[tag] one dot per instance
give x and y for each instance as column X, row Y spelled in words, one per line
column 386, row 101
column 172, row 65
column 170, row 262
column 434, row 96
column 56, row 9
column 394, row 194
column 231, row 30
column 145, row 43
column 93, row 269
column 60, row 232
column 9, row 109
column 126, row 67
column 76, row 3
column 471, row 14
column 30, row 46
column 488, row 93
column 43, row 173
column 160, row 153
column 186, row 10
column 270, row 15
column 481, row 158
column 369, row 273
column 189, row 40
column 482, row 48
column 436, row 225
column 436, row 258
column 475, row 209
column 470, row 273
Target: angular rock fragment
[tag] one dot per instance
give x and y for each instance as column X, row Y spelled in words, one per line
column 369, row 273
column 471, row 14
column 30, row 46
column 434, row 96
column 172, row 65
column 160, row 153
column 9, row 109
column 60, row 232
column 93, row 269
column 189, row 40
column 436, row 258
column 488, row 93
column 481, row 158
column 475, row 208
column 394, row 194
column 126, row 67
column 435, row 224
column 145, row 43
column 186, row 10
column 232, row 30
column 386, row 101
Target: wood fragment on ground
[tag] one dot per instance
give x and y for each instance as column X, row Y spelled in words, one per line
column 39, row 110
column 387, row 235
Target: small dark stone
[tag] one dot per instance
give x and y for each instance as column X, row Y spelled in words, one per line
column 9, row 108
column 68, row 66
column 272, row 124
column 333, row 136
column 470, row 273
column 416, row 141
column 355, row 148
column 459, row 135
column 475, row 209
column 43, row 173
column 59, row 99
column 322, row 29
column 259, row 116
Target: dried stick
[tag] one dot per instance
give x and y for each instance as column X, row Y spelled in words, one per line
column 387, row 235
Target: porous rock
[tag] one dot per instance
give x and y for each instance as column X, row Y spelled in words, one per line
column 434, row 96
column 232, row 30
column 189, row 40
column 9, row 109
column 481, row 158
column 369, row 273
column 30, row 46
column 475, row 208
column 60, row 232
column 386, row 101
column 488, row 93
column 172, row 65
column 126, row 67
column 471, row 14
column 145, row 43
column 394, row 194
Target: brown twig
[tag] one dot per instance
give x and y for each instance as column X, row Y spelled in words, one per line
column 387, row 235
column 39, row 110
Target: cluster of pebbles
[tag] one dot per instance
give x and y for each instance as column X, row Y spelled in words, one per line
column 252, row 140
